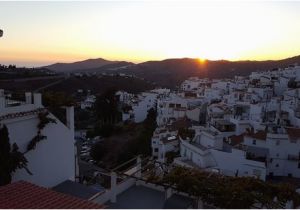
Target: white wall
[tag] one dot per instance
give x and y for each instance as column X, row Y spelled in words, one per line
column 53, row 159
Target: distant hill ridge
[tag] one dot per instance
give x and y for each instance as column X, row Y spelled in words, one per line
column 83, row 65
column 171, row 72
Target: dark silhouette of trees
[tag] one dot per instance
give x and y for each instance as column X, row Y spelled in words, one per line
column 139, row 144
column 106, row 107
column 231, row 192
column 11, row 158
column 54, row 101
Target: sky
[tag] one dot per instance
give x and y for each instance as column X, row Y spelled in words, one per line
column 41, row 33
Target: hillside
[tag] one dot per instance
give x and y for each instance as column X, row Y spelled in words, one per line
column 72, row 84
column 115, row 66
column 171, row 72
column 81, row 65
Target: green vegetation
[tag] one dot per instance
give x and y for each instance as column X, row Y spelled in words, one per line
column 54, row 101
column 185, row 133
column 170, row 156
column 106, row 108
column 141, row 145
column 12, row 72
column 11, row 158
column 127, row 142
column 43, row 121
column 231, row 192
column 84, row 118
column 107, row 115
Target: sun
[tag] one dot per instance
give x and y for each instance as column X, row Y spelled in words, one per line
column 202, row 60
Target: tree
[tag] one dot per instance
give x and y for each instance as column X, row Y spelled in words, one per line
column 54, row 101
column 106, row 107
column 231, row 192
column 10, row 158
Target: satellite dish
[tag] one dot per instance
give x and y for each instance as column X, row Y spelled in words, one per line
column 1, row 33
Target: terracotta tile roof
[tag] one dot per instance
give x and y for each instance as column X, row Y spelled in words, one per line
column 180, row 123
column 294, row 133
column 24, row 195
column 261, row 135
column 234, row 139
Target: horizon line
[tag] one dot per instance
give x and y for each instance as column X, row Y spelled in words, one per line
column 151, row 60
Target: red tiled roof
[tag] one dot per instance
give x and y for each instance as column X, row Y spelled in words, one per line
column 294, row 133
column 261, row 135
column 24, row 195
column 236, row 139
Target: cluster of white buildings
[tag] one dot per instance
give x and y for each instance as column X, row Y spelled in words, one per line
column 246, row 126
column 88, row 102
column 135, row 107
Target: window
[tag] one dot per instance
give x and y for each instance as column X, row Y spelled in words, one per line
column 254, row 142
column 277, row 142
column 156, row 150
column 277, row 165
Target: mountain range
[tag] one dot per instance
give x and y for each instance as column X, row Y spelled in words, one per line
column 86, row 65
column 171, row 72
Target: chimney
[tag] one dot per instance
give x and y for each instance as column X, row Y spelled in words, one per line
column 113, row 187
column 2, row 99
column 28, row 98
column 2, row 103
column 168, row 193
column 138, row 173
column 1, row 93
column 70, row 117
column 37, row 99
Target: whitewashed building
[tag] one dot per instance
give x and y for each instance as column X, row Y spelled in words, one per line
column 53, row 159
column 164, row 140
column 88, row 102
column 207, row 151
column 281, row 149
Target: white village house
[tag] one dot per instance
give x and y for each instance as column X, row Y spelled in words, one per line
column 53, row 160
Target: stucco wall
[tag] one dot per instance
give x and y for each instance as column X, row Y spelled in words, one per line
column 53, row 159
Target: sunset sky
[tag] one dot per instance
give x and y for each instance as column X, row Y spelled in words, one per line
column 40, row 33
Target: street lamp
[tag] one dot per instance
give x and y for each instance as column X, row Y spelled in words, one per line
column 1, row 33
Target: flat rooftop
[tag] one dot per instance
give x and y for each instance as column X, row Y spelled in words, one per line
column 140, row 197
column 77, row 189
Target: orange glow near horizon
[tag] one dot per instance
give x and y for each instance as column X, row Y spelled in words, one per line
column 202, row 60
column 48, row 32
